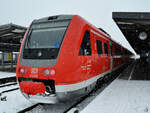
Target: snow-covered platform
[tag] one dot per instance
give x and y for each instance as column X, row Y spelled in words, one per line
column 122, row 96
column 129, row 93
column 6, row 75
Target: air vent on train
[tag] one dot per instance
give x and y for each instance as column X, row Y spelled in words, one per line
column 52, row 17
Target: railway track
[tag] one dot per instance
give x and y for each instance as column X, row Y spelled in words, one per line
column 8, row 84
column 28, row 108
column 8, row 88
column 7, row 80
column 5, row 88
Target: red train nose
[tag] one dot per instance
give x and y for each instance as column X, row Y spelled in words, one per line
column 32, row 88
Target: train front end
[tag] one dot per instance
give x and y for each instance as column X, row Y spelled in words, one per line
column 40, row 49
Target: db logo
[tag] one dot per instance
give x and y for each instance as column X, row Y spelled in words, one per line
column 34, row 70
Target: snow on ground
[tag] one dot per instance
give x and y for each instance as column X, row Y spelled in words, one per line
column 122, row 96
column 15, row 102
column 6, row 75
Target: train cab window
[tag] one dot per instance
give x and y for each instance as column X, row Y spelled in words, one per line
column 99, row 48
column 85, row 48
column 43, row 43
column 106, row 49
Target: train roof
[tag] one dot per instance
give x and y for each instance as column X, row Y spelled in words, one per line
column 69, row 17
column 53, row 18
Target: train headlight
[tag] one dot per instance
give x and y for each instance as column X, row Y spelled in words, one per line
column 46, row 72
column 49, row 72
column 143, row 35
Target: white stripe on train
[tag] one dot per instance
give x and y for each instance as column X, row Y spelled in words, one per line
column 80, row 85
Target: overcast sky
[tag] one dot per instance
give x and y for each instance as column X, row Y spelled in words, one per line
column 97, row 12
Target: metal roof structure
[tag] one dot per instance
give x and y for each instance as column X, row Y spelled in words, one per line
column 131, row 25
column 10, row 37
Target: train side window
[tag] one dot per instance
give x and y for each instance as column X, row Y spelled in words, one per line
column 111, row 49
column 99, row 48
column 106, row 49
column 118, row 51
column 85, row 48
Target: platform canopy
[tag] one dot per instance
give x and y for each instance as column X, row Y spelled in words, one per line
column 10, row 37
column 136, row 28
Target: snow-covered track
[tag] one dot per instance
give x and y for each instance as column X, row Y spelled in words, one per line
column 8, row 88
column 7, row 80
column 28, row 108
column 8, row 84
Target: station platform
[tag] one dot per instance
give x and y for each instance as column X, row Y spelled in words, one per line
column 129, row 93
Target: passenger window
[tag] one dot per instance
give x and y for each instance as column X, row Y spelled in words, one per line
column 106, row 49
column 111, row 49
column 99, row 48
column 85, row 49
column 118, row 51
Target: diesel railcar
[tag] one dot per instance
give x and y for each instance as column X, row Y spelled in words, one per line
column 62, row 57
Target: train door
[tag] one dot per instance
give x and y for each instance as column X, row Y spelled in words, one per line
column 100, row 57
column 85, row 55
column 107, row 55
column 111, row 56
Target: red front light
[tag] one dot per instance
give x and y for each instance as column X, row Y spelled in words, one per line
column 52, row 72
column 22, row 71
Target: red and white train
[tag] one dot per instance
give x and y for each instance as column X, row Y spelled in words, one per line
column 62, row 57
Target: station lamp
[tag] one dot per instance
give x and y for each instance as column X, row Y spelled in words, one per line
column 142, row 35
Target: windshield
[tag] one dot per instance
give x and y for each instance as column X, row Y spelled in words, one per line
column 45, row 38
column 43, row 42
